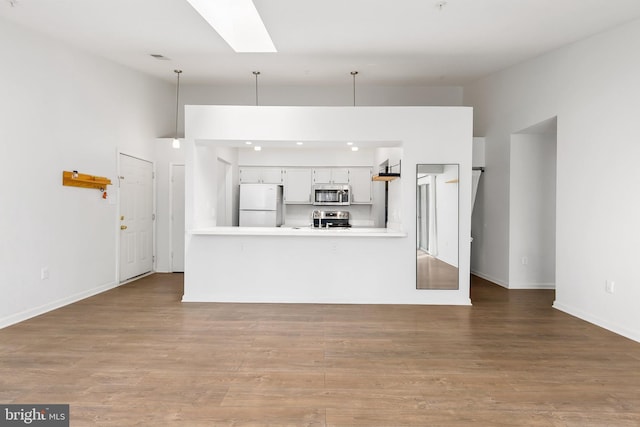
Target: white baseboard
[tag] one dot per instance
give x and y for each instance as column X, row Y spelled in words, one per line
column 133, row 279
column 37, row 311
column 530, row 285
column 587, row 317
column 329, row 300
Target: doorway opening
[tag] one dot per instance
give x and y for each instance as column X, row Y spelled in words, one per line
column 532, row 207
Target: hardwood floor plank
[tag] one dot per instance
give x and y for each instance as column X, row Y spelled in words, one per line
column 136, row 355
column 324, row 397
column 435, row 418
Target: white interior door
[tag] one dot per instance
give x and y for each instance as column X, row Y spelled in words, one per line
column 136, row 217
column 177, row 218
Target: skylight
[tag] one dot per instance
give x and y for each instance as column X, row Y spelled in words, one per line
column 237, row 22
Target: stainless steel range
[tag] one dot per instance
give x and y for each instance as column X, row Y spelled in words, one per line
column 327, row 219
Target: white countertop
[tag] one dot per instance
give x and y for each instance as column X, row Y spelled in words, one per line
column 299, row 231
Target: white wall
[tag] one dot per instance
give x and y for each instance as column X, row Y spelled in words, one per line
column 62, row 109
column 592, row 87
column 341, row 95
column 279, row 268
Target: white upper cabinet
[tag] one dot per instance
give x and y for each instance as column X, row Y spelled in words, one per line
column 331, row 175
column 359, row 178
column 260, row 175
column 298, row 181
column 360, row 181
column 297, row 186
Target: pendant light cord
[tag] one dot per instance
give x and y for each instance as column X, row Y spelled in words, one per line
column 178, row 72
column 354, row 74
column 256, row 73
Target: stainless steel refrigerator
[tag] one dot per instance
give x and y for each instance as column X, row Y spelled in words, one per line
column 260, row 205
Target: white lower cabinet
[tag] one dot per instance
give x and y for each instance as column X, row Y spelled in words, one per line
column 297, row 186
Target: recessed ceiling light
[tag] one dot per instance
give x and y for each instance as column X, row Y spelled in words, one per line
column 257, row 148
column 349, row 143
column 299, row 143
column 354, row 148
column 237, row 22
column 248, row 142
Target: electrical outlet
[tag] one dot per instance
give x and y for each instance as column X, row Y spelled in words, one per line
column 525, row 260
column 44, row 273
column 610, row 286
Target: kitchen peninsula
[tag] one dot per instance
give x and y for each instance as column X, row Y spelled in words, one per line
column 299, row 231
column 297, row 263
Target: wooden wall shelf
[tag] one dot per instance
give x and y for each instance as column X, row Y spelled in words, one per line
column 386, row 177
column 74, row 179
column 386, row 174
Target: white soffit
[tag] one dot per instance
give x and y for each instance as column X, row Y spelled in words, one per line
column 237, row 22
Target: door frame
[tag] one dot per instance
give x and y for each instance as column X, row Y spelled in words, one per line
column 171, row 165
column 118, row 214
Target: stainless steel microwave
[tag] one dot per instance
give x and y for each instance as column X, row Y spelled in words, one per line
column 331, row 194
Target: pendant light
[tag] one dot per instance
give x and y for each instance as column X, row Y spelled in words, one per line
column 256, row 73
column 354, row 74
column 176, row 141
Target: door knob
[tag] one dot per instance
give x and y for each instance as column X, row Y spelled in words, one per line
column 123, row 227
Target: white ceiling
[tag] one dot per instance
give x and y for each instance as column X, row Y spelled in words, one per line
column 390, row 42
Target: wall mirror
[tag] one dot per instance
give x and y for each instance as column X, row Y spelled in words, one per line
column 437, row 226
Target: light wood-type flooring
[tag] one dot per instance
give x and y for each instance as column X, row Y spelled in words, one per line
column 136, row 355
column 434, row 273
